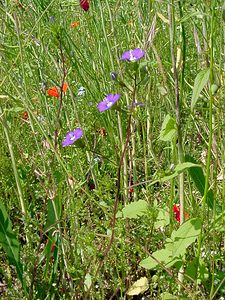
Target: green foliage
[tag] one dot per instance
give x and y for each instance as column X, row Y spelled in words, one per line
column 168, row 130
column 70, row 192
column 198, row 177
column 138, row 287
column 175, row 247
column 200, row 82
column 180, row 168
column 135, row 209
column 9, row 242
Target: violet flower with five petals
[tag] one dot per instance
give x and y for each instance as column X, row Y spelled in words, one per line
column 108, row 102
column 72, row 136
column 133, row 55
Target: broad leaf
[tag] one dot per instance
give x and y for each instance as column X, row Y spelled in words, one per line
column 198, row 177
column 139, row 287
column 178, row 169
column 168, row 296
column 164, row 256
column 185, row 236
column 163, row 218
column 168, row 130
column 200, row 81
column 9, row 241
column 135, row 209
column 175, row 247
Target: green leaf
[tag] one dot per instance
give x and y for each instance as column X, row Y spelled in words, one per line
column 168, row 296
column 191, row 271
column 185, row 236
column 200, row 81
column 163, row 218
column 87, row 281
column 175, row 247
column 135, row 209
column 168, row 130
column 164, row 256
column 183, row 166
column 9, row 241
column 139, row 287
column 178, row 169
column 198, row 178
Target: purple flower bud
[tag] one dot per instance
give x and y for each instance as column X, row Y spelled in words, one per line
column 113, row 75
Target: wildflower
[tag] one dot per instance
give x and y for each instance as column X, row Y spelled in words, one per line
column 25, row 116
column 84, row 4
column 65, row 87
column 72, row 136
column 131, row 190
column 53, row 92
column 75, row 24
column 133, row 55
column 113, row 75
column 176, row 211
column 101, row 131
column 108, row 102
column 81, row 91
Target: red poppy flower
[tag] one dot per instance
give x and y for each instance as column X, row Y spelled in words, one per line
column 65, row 87
column 75, row 24
column 53, row 92
column 176, row 211
column 84, row 4
column 131, row 190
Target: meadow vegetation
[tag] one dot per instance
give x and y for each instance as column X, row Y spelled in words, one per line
column 112, row 157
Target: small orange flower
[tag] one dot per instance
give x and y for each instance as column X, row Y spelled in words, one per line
column 53, row 92
column 75, row 24
column 131, row 190
column 65, row 87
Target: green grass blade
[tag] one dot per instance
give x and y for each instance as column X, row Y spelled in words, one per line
column 9, row 241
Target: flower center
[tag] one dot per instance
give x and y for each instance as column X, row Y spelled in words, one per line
column 132, row 58
column 109, row 104
column 72, row 137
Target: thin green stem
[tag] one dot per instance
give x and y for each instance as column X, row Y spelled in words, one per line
column 210, row 134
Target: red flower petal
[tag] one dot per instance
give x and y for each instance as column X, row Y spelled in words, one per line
column 75, row 24
column 65, row 87
column 84, row 4
column 53, row 92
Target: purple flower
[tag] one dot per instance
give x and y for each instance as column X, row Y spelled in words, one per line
column 72, row 136
column 133, row 55
column 113, row 75
column 108, row 102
